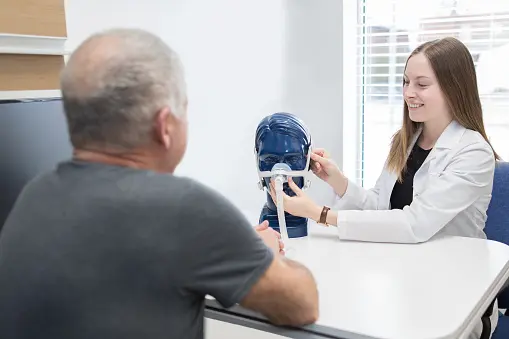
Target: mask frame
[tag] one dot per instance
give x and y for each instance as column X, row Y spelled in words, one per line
column 267, row 174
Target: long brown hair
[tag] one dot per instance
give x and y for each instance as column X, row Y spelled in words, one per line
column 454, row 69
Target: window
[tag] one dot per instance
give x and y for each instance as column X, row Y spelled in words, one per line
column 387, row 31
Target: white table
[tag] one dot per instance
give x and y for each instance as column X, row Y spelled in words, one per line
column 437, row 289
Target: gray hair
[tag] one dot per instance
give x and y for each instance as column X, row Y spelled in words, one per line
column 114, row 84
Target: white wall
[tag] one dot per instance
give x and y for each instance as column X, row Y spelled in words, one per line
column 312, row 82
column 244, row 60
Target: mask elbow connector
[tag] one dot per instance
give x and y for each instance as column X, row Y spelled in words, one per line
column 279, row 180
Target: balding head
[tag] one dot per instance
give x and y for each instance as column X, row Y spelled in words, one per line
column 114, row 85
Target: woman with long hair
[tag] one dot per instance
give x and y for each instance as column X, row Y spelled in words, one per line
column 438, row 176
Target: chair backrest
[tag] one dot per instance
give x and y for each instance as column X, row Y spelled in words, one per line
column 497, row 224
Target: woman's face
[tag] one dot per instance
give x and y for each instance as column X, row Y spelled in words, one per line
column 422, row 93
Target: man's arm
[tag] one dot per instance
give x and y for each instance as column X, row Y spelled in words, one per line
column 286, row 294
column 226, row 258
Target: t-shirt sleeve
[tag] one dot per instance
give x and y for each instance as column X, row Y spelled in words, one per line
column 224, row 256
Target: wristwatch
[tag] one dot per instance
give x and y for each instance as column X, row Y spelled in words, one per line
column 323, row 216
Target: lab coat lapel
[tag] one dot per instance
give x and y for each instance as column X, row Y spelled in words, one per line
column 435, row 161
column 447, row 140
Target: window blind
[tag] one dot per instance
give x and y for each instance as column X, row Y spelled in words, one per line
column 387, row 32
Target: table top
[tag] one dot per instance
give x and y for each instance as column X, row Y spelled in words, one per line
column 437, row 289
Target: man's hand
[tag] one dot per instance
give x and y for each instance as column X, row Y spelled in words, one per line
column 271, row 238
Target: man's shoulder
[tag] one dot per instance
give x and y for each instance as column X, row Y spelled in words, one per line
column 181, row 189
column 144, row 188
column 96, row 180
column 198, row 204
column 194, row 192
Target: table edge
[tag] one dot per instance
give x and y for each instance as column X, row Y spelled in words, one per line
column 239, row 315
column 482, row 306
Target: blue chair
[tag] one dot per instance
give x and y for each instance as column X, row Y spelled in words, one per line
column 502, row 330
column 497, row 228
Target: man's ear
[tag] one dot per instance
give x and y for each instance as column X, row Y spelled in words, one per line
column 163, row 127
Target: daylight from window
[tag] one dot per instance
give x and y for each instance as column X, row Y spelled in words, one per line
column 388, row 30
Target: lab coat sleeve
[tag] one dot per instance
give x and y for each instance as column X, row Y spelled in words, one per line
column 358, row 198
column 468, row 176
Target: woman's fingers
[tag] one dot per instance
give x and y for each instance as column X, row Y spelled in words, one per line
column 272, row 192
column 320, row 151
column 294, row 187
column 316, row 167
column 319, row 159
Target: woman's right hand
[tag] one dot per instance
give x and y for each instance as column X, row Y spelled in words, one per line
column 316, row 167
column 327, row 170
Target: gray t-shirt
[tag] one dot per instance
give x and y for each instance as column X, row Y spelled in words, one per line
column 98, row 251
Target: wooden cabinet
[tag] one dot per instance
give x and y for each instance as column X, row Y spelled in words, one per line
column 32, row 47
column 20, row 72
column 33, row 17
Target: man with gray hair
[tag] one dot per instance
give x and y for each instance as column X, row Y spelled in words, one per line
column 112, row 244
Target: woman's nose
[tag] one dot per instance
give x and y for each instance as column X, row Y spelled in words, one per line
column 408, row 93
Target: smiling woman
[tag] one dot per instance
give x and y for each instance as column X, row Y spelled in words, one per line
column 438, row 176
column 440, row 76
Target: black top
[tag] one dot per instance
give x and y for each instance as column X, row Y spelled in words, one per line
column 402, row 193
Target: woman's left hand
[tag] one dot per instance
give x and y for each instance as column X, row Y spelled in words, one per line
column 299, row 205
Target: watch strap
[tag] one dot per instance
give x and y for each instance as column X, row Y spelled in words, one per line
column 323, row 215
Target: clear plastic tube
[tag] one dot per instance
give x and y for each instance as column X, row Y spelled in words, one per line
column 279, row 180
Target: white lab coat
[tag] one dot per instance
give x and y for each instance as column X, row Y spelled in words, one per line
column 452, row 191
